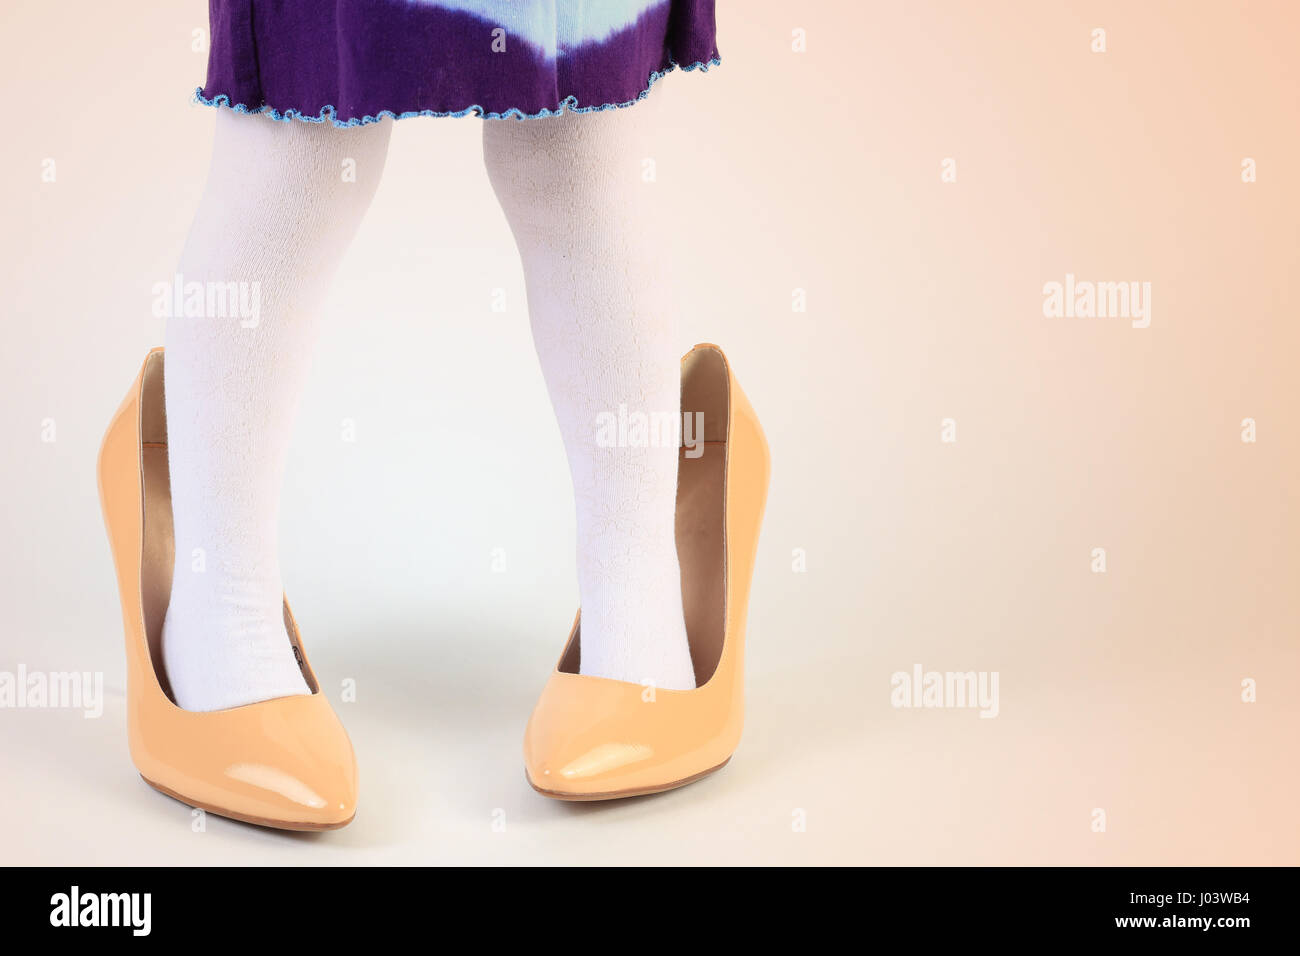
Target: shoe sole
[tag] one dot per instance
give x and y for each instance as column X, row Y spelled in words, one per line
column 242, row 818
column 621, row 794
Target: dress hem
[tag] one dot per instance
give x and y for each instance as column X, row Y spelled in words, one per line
column 567, row 105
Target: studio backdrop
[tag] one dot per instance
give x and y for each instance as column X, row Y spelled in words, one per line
column 1012, row 288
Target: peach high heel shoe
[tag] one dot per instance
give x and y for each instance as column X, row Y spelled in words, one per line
column 283, row 763
column 590, row 738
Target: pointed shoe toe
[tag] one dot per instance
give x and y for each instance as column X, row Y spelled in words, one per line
column 284, row 763
column 590, row 738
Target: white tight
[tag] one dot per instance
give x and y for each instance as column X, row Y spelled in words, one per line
column 276, row 216
column 598, row 299
column 275, row 219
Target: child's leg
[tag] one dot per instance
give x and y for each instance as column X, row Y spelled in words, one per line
column 572, row 189
column 275, row 219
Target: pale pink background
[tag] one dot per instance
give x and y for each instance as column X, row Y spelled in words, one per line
column 783, row 170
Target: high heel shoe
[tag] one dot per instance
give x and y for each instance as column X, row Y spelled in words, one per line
column 284, row 763
column 591, row 738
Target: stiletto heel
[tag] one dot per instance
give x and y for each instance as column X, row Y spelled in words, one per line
column 284, row 763
column 591, row 738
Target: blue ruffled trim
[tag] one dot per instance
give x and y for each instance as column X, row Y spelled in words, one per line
column 568, row 104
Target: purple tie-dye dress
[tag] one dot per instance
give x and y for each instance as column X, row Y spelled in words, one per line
column 356, row 61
